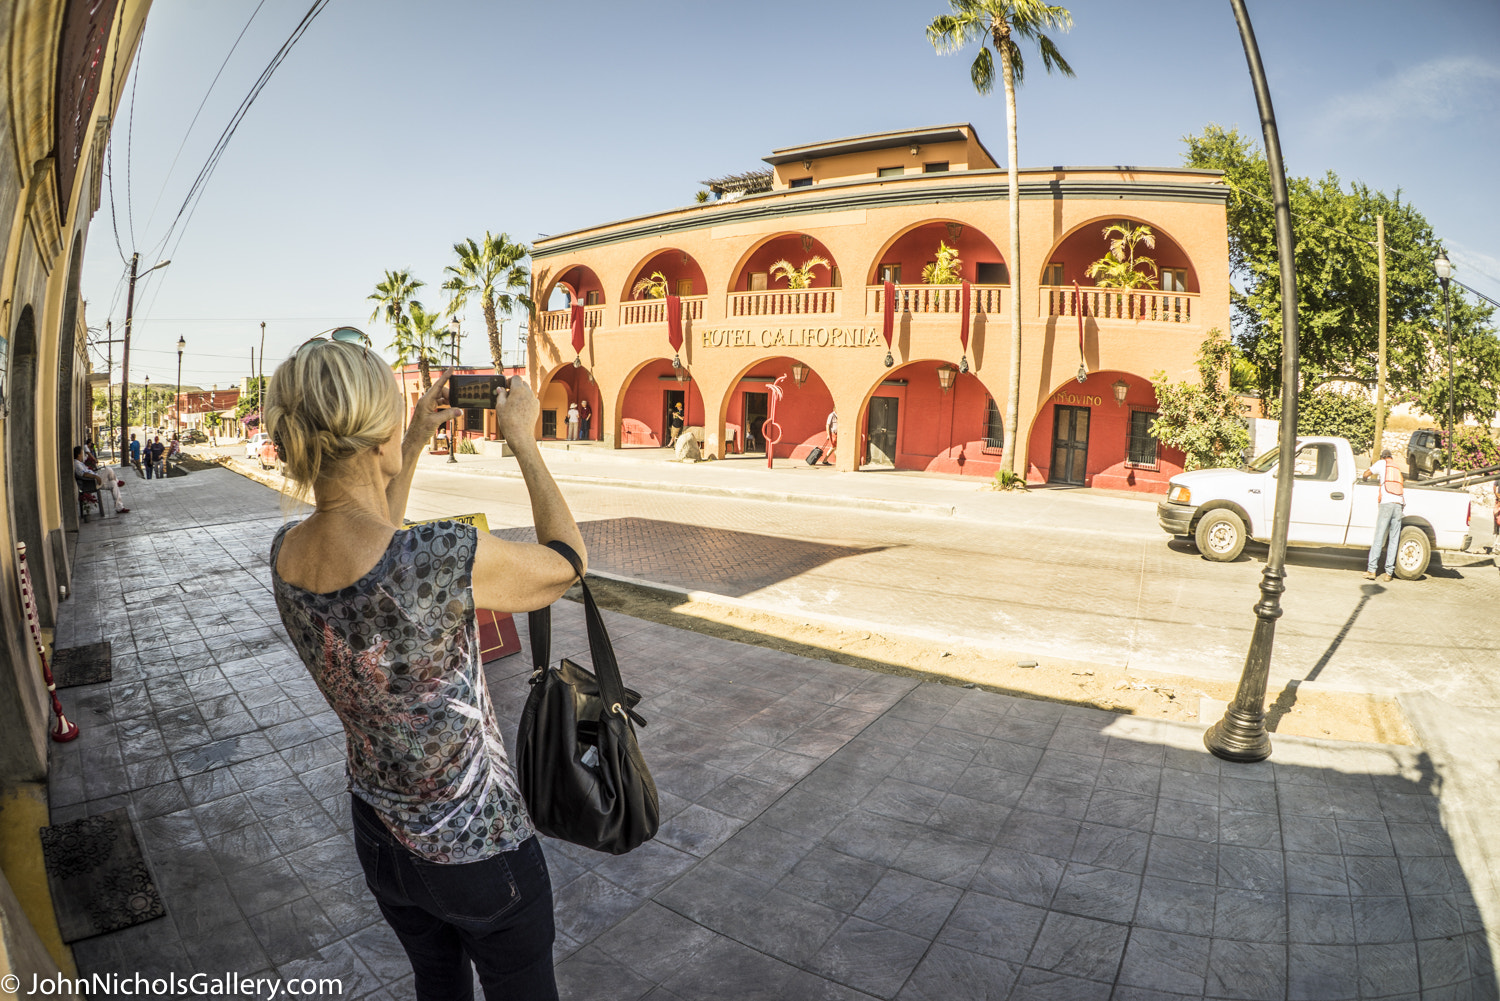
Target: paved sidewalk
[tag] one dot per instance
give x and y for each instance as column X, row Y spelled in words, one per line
column 829, row 833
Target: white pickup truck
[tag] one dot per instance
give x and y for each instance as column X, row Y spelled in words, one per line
column 1221, row 508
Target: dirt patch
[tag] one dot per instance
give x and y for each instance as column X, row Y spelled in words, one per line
column 1318, row 714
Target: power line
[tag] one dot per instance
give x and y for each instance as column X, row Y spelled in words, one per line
column 206, row 94
column 135, row 80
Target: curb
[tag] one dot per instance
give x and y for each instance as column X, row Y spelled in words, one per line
column 738, row 493
column 946, row 640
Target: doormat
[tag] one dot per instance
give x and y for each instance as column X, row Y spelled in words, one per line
column 98, row 876
column 82, row 665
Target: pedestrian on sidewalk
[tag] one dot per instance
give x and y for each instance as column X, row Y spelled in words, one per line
column 573, row 418
column 676, row 425
column 831, row 428
column 1392, row 501
column 384, row 620
column 585, row 418
column 135, row 453
column 157, row 451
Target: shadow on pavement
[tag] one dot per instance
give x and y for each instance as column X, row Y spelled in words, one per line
column 697, row 558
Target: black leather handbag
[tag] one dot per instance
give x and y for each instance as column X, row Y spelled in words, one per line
column 577, row 759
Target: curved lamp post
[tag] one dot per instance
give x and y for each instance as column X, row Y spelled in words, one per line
column 1444, row 273
column 1241, row 734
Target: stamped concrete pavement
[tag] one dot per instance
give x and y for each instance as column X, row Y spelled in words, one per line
column 828, row 832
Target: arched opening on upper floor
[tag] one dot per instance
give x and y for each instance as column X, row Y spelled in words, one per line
column 578, row 283
column 789, row 274
column 665, row 272
column 1166, row 292
column 911, row 250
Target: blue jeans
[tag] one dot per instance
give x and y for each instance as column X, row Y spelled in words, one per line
column 496, row 912
column 1387, row 533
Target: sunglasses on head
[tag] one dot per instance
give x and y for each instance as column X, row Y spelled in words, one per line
column 348, row 335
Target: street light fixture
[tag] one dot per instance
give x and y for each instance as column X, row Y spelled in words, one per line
column 453, row 359
column 1444, row 273
column 946, row 374
column 799, row 373
column 146, row 394
column 181, row 344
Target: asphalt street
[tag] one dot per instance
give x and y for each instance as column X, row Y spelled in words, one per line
column 1049, row 574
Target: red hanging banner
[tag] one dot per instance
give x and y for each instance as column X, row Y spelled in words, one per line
column 888, row 313
column 674, row 322
column 577, row 317
column 963, row 317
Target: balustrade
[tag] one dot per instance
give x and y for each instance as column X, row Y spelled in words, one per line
column 561, row 319
column 784, row 302
column 932, row 299
column 655, row 310
column 1120, row 304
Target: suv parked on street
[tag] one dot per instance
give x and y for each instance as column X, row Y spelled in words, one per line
column 1423, row 453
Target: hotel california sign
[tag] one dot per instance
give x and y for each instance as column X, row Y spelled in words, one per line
column 805, row 337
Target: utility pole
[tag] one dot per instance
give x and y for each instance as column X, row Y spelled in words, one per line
column 260, row 378
column 109, row 371
column 135, row 260
column 1380, row 371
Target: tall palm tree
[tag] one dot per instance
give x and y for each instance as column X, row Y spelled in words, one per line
column 421, row 334
column 492, row 270
column 392, row 295
column 1001, row 25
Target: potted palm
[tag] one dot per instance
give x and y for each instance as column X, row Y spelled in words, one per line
column 946, row 269
column 1121, row 267
column 798, row 278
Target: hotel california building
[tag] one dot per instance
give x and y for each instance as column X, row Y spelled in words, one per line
column 918, row 373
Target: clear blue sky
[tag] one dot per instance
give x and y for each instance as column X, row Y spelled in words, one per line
column 394, row 129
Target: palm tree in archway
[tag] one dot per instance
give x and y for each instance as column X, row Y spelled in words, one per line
column 1001, row 25
column 492, row 270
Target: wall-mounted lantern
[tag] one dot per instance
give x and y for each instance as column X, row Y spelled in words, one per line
column 1121, row 387
column 799, row 373
column 946, row 374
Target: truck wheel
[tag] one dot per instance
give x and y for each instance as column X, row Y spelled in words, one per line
column 1220, row 536
column 1413, row 552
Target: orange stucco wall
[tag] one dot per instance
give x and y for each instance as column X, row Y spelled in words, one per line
column 856, row 224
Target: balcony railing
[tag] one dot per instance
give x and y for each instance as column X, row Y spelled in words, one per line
column 932, row 299
column 561, row 319
column 1118, row 304
column 655, row 310
column 784, row 302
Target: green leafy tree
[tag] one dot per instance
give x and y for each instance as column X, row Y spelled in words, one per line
column 212, row 420
column 1001, row 25
column 946, row 270
column 1338, row 283
column 493, row 270
column 1476, row 366
column 1474, row 448
column 1331, row 412
column 393, row 295
column 1205, row 422
column 249, row 398
column 798, row 277
column 1122, row 267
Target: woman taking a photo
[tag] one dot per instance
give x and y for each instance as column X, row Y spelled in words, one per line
column 383, row 617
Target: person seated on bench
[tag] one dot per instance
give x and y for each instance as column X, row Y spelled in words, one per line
column 89, row 479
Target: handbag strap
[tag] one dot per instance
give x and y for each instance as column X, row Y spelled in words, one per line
column 601, row 651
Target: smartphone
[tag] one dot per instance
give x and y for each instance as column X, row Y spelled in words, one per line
column 475, row 392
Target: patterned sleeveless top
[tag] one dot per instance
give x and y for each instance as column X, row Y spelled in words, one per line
column 396, row 654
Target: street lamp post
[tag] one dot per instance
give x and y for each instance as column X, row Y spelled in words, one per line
column 1241, row 734
column 181, row 344
column 1444, row 272
column 146, row 393
column 453, row 365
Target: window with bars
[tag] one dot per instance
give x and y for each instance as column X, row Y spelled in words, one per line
column 1142, row 447
column 994, row 428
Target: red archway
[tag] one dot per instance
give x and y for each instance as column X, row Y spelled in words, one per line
column 646, row 402
column 801, row 413
column 1070, row 257
column 795, row 248
column 909, row 421
column 909, row 251
column 1097, row 434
